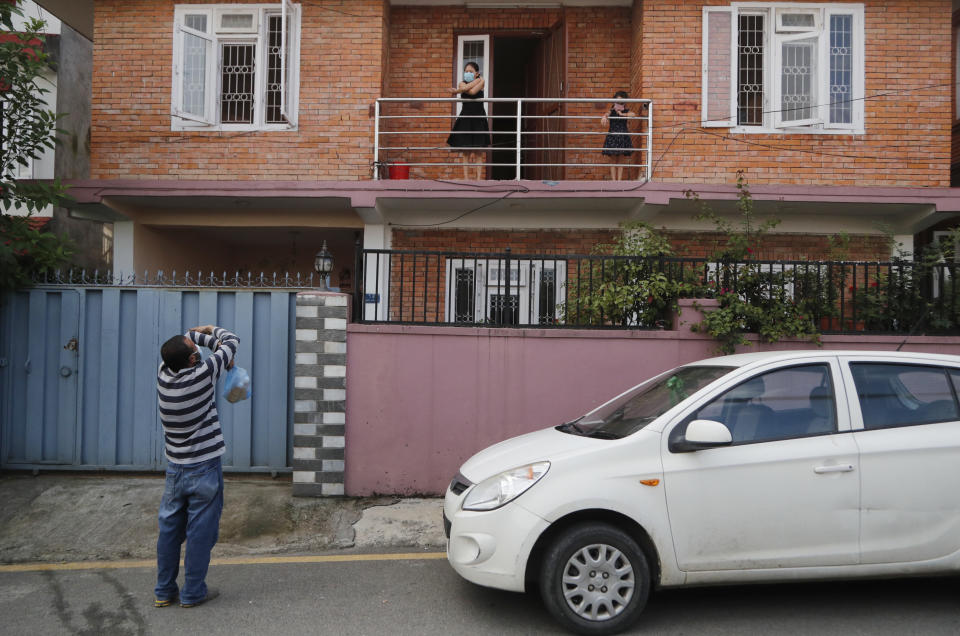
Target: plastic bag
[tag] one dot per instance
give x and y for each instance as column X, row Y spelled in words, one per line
column 236, row 386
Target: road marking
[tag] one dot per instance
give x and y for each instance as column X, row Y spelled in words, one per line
column 149, row 563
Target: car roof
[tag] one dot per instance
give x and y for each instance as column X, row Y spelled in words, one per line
column 759, row 357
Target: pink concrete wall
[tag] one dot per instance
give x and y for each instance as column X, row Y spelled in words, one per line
column 421, row 400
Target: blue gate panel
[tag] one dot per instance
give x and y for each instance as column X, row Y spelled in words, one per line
column 94, row 405
column 40, row 424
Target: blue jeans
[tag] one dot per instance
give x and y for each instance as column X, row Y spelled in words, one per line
column 190, row 510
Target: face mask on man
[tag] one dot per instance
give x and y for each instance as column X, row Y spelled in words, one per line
column 468, row 76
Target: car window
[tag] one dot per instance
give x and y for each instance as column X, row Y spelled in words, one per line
column 637, row 408
column 786, row 403
column 903, row 394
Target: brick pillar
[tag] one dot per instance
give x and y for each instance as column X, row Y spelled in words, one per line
column 320, row 394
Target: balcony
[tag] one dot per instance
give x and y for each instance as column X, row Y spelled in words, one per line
column 506, row 289
column 559, row 139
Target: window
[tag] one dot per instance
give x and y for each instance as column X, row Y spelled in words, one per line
column 479, row 290
column 476, row 49
column 903, row 395
column 777, row 67
column 235, row 67
column 783, row 404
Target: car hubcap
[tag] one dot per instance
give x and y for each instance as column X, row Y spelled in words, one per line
column 598, row 582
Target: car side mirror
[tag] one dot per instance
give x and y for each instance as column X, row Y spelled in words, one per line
column 702, row 434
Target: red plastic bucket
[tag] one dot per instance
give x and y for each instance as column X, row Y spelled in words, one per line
column 399, row 171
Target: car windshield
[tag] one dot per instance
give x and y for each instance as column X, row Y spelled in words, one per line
column 637, row 408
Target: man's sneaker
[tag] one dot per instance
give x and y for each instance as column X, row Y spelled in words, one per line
column 211, row 594
column 164, row 602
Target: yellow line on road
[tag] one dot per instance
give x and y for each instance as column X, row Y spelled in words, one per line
column 149, row 563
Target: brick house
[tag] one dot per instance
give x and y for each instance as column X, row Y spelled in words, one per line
column 252, row 128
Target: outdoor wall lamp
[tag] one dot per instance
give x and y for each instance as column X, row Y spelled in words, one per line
column 323, row 263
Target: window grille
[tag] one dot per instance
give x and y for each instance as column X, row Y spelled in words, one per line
column 464, row 308
column 274, row 70
column 235, row 70
column 547, row 310
column 237, row 83
column 841, row 69
column 750, row 85
column 797, row 84
column 473, row 52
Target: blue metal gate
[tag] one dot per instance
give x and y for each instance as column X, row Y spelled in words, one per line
column 78, row 374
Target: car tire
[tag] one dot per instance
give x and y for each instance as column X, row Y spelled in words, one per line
column 594, row 579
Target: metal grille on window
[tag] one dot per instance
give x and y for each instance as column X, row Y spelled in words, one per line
column 194, row 73
column 237, row 83
column 841, row 69
column 473, row 52
column 796, row 80
column 750, row 74
column 505, row 310
column 274, row 70
column 464, row 309
column 547, row 311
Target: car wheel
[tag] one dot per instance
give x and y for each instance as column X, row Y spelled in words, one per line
column 595, row 579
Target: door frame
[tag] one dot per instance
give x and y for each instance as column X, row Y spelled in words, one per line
column 489, row 36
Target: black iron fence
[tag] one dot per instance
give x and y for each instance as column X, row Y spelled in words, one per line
column 504, row 289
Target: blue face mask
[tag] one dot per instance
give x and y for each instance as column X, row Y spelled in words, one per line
column 468, row 76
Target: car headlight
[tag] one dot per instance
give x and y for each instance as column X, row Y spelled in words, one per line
column 497, row 490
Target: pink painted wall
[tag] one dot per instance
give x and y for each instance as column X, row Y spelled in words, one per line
column 421, row 400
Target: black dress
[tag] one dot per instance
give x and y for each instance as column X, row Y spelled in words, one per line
column 471, row 129
column 617, row 143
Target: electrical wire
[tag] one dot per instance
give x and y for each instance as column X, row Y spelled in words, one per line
column 468, row 212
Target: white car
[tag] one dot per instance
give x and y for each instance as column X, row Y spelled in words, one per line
column 757, row 467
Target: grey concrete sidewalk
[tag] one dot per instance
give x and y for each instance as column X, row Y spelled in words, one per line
column 77, row 517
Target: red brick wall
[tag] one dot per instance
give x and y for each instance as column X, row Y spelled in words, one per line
column 423, row 52
column 907, row 140
column 577, row 241
column 339, row 78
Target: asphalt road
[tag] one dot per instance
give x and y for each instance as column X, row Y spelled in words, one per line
column 424, row 597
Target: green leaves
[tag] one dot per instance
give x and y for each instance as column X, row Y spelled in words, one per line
column 626, row 292
column 28, row 128
column 26, row 251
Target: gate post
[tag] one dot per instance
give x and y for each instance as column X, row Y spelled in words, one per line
column 319, row 393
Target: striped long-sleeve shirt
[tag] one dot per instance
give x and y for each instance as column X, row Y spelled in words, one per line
column 187, row 401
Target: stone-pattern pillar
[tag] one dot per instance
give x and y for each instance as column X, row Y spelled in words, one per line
column 319, row 393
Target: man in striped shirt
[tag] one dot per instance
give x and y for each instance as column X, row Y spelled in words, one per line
column 193, row 494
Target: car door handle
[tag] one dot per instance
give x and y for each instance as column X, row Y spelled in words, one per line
column 839, row 468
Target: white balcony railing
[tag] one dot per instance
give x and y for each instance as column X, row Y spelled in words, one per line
column 555, row 135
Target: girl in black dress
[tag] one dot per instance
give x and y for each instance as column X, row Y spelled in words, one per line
column 470, row 131
column 617, row 143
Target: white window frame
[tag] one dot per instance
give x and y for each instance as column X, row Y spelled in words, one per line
column 216, row 37
column 488, row 284
column 485, row 71
column 781, row 11
column 773, row 38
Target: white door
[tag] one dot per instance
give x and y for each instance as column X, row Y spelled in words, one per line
column 910, row 460
column 785, row 493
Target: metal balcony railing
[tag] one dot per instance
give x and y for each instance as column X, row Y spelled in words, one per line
column 556, row 134
column 506, row 289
